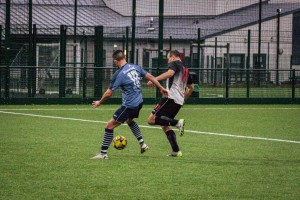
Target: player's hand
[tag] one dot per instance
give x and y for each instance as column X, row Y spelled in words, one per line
column 95, row 104
column 164, row 92
column 150, row 84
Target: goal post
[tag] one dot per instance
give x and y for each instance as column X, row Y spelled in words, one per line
column 47, row 62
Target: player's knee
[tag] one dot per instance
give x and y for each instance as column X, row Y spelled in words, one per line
column 151, row 120
column 109, row 126
column 166, row 128
column 129, row 121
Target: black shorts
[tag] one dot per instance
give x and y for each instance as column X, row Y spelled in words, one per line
column 124, row 113
column 166, row 107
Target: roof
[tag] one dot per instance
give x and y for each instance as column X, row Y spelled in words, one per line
column 187, row 27
column 49, row 16
column 60, row 2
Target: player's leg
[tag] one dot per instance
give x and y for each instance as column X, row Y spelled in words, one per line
column 134, row 127
column 107, row 139
column 117, row 119
column 173, row 141
column 108, row 134
column 164, row 113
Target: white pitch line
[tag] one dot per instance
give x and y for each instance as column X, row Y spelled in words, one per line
column 241, row 136
column 155, row 127
column 89, row 109
column 52, row 117
column 242, row 108
column 52, row 109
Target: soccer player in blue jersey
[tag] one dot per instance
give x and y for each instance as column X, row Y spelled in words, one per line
column 128, row 78
column 180, row 86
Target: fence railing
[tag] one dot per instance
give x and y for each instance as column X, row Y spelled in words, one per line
column 84, row 83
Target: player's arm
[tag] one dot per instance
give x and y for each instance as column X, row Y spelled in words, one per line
column 166, row 75
column 105, row 96
column 188, row 91
column 155, row 82
column 163, row 76
column 189, row 88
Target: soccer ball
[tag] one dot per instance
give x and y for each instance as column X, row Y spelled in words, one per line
column 119, row 142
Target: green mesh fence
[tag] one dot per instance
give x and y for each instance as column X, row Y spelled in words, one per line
column 234, row 49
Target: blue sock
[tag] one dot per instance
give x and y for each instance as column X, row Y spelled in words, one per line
column 134, row 127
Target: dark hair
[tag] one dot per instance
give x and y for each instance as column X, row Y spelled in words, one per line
column 174, row 53
column 118, row 55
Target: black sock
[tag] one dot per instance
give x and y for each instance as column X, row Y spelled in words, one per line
column 172, row 140
column 165, row 121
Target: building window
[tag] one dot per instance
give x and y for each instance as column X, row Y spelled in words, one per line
column 237, row 61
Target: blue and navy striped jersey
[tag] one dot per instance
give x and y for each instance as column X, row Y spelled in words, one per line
column 128, row 79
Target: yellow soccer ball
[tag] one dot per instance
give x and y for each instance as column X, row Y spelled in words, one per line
column 119, row 142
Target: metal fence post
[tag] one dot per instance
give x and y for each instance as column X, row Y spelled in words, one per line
column 160, row 40
column 170, row 43
column 198, row 55
column 198, row 47
column 30, row 50
column 248, row 65
column 7, row 49
column 123, row 43
column 216, row 61
column 0, row 60
column 227, row 83
column 133, row 31
column 293, row 83
column 191, row 55
column 62, row 68
column 137, row 57
column 258, row 64
column 84, row 81
column 126, row 43
column 33, row 68
column 278, row 45
column 98, row 61
column 212, row 61
column 85, row 67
